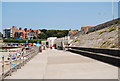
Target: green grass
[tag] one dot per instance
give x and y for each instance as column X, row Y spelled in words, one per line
column 118, row 22
column 111, row 29
column 106, row 42
column 102, row 32
column 76, row 40
column 113, row 46
column 104, row 46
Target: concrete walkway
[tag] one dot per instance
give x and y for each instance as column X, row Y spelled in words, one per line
column 54, row 64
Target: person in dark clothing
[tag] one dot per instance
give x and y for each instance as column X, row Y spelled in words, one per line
column 40, row 49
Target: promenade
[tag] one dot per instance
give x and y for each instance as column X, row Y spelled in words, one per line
column 56, row 64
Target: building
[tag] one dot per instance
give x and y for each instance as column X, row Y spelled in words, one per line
column 26, row 34
column 14, row 32
column 14, row 28
column 51, row 41
column 61, row 42
column 31, row 33
column 7, row 33
column 73, row 32
column 19, row 34
column 85, row 28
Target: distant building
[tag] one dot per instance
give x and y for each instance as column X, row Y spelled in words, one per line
column 7, row 33
column 19, row 34
column 14, row 32
column 85, row 28
column 32, row 33
column 14, row 28
column 59, row 42
column 26, row 34
column 51, row 41
column 73, row 32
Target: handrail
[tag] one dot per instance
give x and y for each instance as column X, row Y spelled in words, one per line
column 15, row 61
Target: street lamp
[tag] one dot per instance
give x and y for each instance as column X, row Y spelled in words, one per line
column 113, row 9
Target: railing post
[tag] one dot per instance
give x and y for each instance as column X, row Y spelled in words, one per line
column 16, row 62
column 3, row 67
column 28, row 55
column 20, row 60
column 23, row 57
column 10, row 64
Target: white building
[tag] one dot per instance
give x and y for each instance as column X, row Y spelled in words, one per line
column 51, row 41
column 7, row 33
column 63, row 41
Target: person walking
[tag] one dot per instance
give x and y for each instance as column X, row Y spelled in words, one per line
column 40, row 49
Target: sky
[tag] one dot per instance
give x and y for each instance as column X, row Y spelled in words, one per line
column 56, row 15
column 0, row 17
column 60, row 0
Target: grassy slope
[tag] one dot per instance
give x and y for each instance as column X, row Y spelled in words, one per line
column 104, row 38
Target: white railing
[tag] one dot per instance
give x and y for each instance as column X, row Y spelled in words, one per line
column 11, row 62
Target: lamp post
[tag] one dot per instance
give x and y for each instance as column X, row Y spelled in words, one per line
column 113, row 9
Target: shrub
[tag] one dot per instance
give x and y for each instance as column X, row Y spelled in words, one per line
column 76, row 40
column 118, row 22
column 102, row 32
column 113, row 46
column 106, row 42
column 111, row 29
column 103, row 46
column 11, row 40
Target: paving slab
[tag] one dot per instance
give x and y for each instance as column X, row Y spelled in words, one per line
column 56, row 64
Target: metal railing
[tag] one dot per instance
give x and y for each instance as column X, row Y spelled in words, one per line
column 13, row 61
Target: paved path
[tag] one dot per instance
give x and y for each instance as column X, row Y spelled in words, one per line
column 54, row 64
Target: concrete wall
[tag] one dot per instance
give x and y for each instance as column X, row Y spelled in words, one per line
column 63, row 41
column 104, row 25
column 98, row 27
column 110, row 56
column 51, row 41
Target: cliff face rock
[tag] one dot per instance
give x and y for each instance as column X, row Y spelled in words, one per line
column 104, row 38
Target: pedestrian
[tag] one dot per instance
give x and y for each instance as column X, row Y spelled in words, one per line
column 40, row 49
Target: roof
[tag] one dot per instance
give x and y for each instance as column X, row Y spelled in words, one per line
column 85, row 27
column 73, row 31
